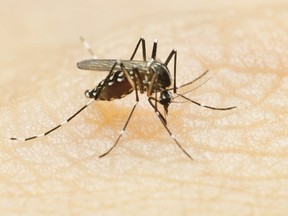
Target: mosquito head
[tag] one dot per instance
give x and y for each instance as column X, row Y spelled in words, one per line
column 165, row 99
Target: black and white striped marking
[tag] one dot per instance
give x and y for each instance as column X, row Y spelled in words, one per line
column 55, row 128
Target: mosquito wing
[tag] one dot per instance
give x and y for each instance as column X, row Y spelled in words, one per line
column 106, row 64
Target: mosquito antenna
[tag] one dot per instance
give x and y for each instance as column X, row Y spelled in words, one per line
column 191, row 82
column 186, row 84
column 88, row 47
column 192, row 89
column 55, row 128
column 209, row 107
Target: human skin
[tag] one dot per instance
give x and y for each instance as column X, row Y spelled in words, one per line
column 240, row 156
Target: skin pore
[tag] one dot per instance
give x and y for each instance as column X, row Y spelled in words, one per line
column 240, row 156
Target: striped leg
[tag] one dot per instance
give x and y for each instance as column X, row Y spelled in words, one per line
column 173, row 53
column 205, row 106
column 72, row 116
column 53, row 129
column 141, row 40
column 130, row 115
column 163, row 121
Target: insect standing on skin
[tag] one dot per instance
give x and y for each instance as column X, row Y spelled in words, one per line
column 125, row 76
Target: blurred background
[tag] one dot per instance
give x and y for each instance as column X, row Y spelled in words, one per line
column 34, row 33
column 28, row 27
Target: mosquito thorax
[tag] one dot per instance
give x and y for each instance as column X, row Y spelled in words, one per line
column 164, row 77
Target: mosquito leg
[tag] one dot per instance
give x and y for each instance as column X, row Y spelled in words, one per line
column 127, row 74
column 141, row 40
column 126, row 124
column 55, row 128
column 156, row 110
column 72, row 116
column 88, row 47
column 135, row 84
column 154, row 50
column 140, row 81
column 198, row 78
column 121, row 133
column 209, row 107
column 173, row 53
column 151, row 85
column 163, row 121
column 132, row 78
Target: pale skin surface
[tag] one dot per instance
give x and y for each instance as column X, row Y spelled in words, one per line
column 240, row 156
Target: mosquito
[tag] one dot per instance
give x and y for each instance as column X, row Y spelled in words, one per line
column 150, row 76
